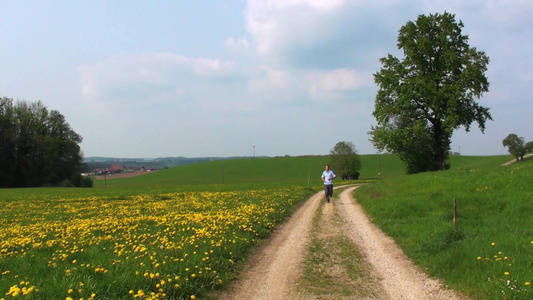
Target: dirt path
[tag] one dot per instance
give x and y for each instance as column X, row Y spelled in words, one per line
column 514, row 160
column 276, row 266
column 275, row 269
column 399, row 277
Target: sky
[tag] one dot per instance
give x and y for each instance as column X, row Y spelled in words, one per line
column 147, row 79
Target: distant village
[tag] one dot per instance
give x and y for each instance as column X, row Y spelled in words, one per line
column 117, row 169
column 97, row 166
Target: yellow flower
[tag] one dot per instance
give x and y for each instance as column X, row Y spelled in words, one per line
column 193, row 297
column 528, row 283
column 506, row 273
column 493, row 244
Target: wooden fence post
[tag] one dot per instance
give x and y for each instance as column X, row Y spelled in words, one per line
column 454, row 214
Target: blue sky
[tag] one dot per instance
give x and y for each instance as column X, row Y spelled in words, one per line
column 216, row 78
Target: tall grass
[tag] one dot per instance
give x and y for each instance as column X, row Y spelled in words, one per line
column 490, row 256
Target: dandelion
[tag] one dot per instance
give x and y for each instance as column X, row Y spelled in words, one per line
column 145, row 249
column 528, row 283
column 493, row 244
column 506, row 273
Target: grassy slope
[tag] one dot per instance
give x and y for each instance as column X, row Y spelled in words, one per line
column 494, row 206
column 416, row 210
column 294, row 170
column 236, row 174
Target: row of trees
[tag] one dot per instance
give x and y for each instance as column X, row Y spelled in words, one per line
column 37, row 146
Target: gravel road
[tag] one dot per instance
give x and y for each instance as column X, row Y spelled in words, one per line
column 274, row 270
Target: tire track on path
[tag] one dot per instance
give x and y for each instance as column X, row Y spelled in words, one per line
column 400, row 278
column 276, row 266
column 272, row 272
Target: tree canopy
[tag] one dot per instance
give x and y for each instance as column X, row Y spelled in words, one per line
column 430, row 93
column 37, row 146
column 345, row 161
column 517, row 146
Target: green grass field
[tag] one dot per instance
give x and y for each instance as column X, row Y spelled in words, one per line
column 490, row 255
column 156, row 245
column 43, row 230
column 294, row 170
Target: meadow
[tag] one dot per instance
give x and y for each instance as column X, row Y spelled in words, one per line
column 490, row 254
column 183, row 232
column 172, row 245
column 173, row 234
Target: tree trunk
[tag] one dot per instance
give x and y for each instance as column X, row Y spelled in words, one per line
column 439, row 154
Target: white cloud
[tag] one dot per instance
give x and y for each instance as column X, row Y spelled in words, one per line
column 120, row 70
column 322, row 34
column 330, row 85
column 239, row 45
column 270, row 79
column 149, row 76
column 275, row 24
column 212, row 67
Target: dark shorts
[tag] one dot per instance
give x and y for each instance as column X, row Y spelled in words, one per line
column 328, row 188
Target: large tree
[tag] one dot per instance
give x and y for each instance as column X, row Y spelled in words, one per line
column 517, row 146
column 7, row 142
column 345, row 161
column 430, row 93
column 37, row 146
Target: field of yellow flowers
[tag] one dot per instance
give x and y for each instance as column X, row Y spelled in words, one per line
column 161, row 246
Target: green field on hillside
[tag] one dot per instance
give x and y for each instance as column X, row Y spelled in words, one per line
column 294, row 170
column 490, row 256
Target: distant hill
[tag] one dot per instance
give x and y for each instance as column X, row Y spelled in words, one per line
column 99, row 162
column 297, row 169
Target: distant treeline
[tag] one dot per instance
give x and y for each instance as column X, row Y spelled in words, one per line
column 91, row 164
column 37, row 147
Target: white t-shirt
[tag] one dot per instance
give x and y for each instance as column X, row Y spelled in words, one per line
column 328, row 177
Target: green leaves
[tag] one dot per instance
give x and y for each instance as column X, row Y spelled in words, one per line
column 344, row 160
column 422, row 98
column 37, row 146
column 517, row 146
